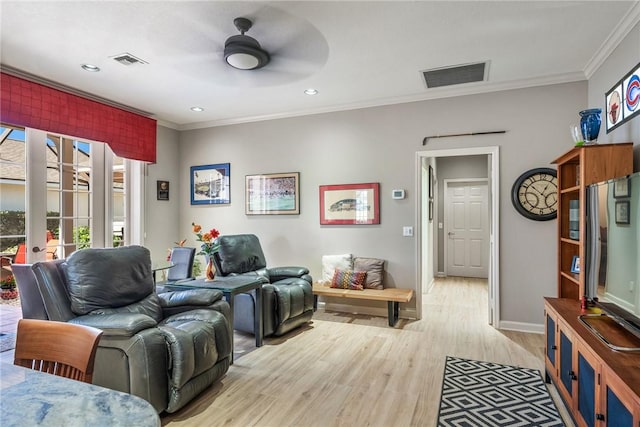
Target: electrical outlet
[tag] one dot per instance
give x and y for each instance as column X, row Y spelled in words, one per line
column 407, row 231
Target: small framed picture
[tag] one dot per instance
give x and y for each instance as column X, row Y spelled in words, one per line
column 621, row 188
column 622, row 212
column 575, row 264
column 162, row 190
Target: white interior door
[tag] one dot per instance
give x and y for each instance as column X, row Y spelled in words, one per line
column 467, row 228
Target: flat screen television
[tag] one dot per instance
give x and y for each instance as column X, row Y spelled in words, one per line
column 612, row 265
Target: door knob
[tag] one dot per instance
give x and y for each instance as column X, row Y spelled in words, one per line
column 451, row 233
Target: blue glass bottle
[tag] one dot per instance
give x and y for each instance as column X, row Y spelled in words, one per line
column 590, row 124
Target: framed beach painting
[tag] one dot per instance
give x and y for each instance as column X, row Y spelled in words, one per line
column 210, row 184
column 272, row 194
column 350, row 204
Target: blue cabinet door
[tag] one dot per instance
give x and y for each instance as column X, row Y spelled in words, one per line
column 551, row 340
column 566, row 368
column 586, row 391
column 618, row 415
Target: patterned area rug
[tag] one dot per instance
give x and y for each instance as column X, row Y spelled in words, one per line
column 484, row 394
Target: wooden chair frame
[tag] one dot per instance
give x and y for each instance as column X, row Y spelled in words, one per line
column 59, row 348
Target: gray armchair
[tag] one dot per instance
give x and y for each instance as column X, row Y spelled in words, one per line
column 182, row 259
column 287, row 295
column 164, row 348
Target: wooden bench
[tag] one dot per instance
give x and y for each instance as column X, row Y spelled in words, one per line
column 392, row 296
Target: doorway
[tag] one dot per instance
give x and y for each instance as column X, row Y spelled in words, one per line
column 427, row 239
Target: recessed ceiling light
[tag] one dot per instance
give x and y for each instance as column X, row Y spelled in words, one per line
column 197, row 109
column 311, row 92
column 89, row 67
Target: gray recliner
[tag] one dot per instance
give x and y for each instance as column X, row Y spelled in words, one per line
column 165, row 348
column 287, row 295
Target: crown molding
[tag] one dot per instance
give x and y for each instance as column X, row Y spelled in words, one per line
column 628, row 22
column 431, row 94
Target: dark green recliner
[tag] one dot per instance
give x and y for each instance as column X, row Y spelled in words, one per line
column 287, row 294
column 166, row 348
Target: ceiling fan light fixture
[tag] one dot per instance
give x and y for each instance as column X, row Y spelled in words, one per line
column 244, row 52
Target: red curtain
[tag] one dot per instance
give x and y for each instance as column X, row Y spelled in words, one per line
column 29, row 104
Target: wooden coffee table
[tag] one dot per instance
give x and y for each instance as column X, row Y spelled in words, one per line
column 230, row 287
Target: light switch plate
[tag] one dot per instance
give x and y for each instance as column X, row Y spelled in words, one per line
column 407, row 231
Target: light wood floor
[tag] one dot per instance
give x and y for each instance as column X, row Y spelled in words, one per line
column 354, row 370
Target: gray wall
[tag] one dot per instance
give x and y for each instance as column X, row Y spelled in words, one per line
column 162, row 225
column 379, row 145
column 622, row 60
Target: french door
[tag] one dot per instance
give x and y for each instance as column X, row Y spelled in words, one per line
column 72, row 193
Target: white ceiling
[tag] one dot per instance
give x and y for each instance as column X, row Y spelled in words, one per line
column 356, row 54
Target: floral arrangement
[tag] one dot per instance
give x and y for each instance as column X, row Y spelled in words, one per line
column 8, row 283
column 209, row 239
column 8, row 286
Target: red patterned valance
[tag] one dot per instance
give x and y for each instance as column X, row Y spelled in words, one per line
column 29, row 104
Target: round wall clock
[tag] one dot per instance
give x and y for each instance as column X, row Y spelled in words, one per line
column 535, row 194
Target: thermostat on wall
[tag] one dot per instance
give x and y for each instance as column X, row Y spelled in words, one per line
column 397, row 194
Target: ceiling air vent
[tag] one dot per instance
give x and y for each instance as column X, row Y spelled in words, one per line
column 128, row 59
column 455, row 75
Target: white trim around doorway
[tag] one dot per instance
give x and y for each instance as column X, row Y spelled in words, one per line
column 493, row 153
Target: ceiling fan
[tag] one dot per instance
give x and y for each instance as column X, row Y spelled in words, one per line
column 244, row 52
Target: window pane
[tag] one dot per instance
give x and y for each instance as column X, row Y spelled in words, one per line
column 118, row 201
column 12, row 187
column 69, row 204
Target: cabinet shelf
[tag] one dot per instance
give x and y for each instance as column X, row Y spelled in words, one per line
column 570, row 241
column 570, row 190
column 573, row 277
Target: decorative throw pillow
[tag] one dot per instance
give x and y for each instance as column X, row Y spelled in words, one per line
column 374, row 268
column 331, row 262
column 349, row 279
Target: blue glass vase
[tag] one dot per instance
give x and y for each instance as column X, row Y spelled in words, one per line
column 590, row 124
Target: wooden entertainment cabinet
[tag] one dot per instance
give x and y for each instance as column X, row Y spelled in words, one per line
column 599, row 385
column 578, row 168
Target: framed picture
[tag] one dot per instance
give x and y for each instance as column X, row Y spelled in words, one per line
column 350, row 204
column 621, row 188
column 622, row 100
column 575, row 264
column 162, row 190
column 622, row 212
column 272, row 194
column 210, row 184
column 431, row 183
column 613, row 100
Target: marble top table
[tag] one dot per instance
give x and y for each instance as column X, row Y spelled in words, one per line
column 33, row 398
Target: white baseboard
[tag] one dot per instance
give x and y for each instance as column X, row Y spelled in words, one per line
column 521, row 327
column 405, row 313
column 441, row 274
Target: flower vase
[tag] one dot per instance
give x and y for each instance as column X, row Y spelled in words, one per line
column 210, row 272
column 590, row 124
